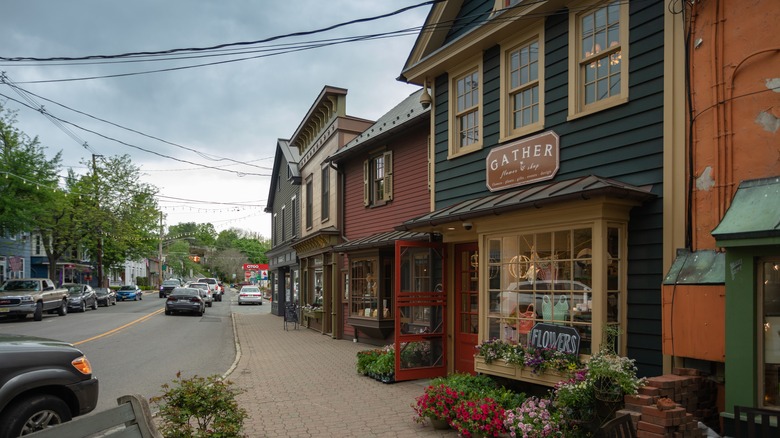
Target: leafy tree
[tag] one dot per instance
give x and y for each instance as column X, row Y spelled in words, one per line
column 28, row 180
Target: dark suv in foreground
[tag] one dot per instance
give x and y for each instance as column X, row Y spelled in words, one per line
column 43, row 382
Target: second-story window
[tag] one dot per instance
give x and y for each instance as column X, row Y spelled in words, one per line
column 293, row 216
column 466, row 109
column 522, row 96
column 284, row 224
column 325, row 213
column 378, row 179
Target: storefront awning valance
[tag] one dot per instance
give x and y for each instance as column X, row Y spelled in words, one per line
column 534, row 197
column 380, row 240
column 697, row 267
column 754, row 213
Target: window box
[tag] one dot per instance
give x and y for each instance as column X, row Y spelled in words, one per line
column 502, row 368
column 316, row 314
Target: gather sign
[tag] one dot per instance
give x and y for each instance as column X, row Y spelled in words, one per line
column 523, row 162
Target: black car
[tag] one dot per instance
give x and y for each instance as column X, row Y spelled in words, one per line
column 43, row 382
column 186, row 299
column 81, row 296
column 167, row 286
column 105, row 296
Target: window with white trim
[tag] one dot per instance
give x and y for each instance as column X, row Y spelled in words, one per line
column 466, row 109
column 522, row 82
column 294, row 216
column 378, row 179
column 309, row 203
column 325, row 193
column 598, row 69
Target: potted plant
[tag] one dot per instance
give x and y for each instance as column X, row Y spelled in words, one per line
column 436, row 405
column 574, row 400
column 534, row 418
column 482, row 417
column 383, row 367
column 492, row 350
column 613, row 377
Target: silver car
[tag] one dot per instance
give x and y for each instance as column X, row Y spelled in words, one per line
column 209, row 296
column 185, row 299
column 250, row 295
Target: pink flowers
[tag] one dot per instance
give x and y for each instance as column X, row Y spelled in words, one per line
column 533, row 419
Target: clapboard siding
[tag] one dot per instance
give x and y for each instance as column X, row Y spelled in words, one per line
column 472, row 14
column 623, row 142
column 411, row 197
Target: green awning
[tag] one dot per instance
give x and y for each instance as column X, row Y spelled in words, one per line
column 754, row 212
column 697, row 267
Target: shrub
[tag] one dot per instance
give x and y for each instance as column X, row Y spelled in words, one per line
column 200, row 407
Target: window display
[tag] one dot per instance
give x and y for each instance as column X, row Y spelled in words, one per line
column 548, row 277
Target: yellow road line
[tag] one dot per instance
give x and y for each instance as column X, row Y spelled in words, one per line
column 110, row 332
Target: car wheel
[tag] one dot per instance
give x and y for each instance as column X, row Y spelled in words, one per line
column 63, row 310
column 210, row 303
column 32, row 414
column 83, row 307
column 114, row 303
column 135, row 298
column 38, row 314
column 168, row 312
column 141, row 297
column 94, row 305
column 199, row 313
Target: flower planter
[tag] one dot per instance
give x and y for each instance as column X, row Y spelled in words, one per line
column 439, row 424
column 498, row 367
column 546, row 377
column 314, row 314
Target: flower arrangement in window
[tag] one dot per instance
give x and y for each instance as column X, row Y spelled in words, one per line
column 537, row 359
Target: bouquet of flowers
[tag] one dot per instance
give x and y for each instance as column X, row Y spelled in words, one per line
column 481, row 417
column 437, row 402
column 533, row 419
column 574, row 397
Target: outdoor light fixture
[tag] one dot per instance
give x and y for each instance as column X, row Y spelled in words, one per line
column 425, row 98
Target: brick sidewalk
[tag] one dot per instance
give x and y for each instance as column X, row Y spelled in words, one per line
column 300, row 383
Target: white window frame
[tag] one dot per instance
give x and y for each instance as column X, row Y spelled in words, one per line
column 370, row 180
column 455, row 149
column 578, row 62
column 508, row 130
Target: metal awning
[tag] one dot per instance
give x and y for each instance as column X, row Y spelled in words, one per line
column 586, row 187
column 380, row 240
column 754, row 212
column 697, row 267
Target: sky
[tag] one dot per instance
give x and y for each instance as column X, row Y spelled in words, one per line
column 204, row 135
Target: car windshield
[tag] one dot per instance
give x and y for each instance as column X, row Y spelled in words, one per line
column 200, row 285
column 74, row 290
column 250, row 289
column 101, row 292
column 127, row 288
column 170, row 283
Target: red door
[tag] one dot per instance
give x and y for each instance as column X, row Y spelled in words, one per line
column 466, row 306
column 420, row 311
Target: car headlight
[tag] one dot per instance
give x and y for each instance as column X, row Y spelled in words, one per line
column 26, row 298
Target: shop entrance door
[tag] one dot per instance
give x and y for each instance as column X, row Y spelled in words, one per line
column 420, row 311
column 466, row 306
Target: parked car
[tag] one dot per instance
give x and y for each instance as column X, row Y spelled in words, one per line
column 43, row 382
column 32, row 296
column 168, row 285
column 209, row 297
column 105, row 296
column 250, row 295
column 81, row 296
column 213, row 283
column 185, row 299
column 129, row 292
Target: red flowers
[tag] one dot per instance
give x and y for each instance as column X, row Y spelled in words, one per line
column 482, row 416
column 437, row 402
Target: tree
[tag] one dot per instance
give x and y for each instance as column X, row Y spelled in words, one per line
column 28, row 180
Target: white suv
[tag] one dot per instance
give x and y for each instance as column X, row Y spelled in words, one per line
column 213, row 287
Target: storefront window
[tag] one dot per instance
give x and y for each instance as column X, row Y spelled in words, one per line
column 548, row 277
column 364, row 287
column 769, row 289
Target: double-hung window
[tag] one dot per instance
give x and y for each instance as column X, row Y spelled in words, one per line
column 598, row 69
column 309, row 203
column 378, row 179
column 325, row 193
column 522, row 96
column 466, row 109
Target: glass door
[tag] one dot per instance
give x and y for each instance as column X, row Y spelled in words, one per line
column 420, row 309
column 466, row 306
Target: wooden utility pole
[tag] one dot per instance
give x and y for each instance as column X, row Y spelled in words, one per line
column 100, row 230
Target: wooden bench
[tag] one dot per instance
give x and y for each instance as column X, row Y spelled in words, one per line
column 132, row 418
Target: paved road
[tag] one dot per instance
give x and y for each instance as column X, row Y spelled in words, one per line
column 300, row 383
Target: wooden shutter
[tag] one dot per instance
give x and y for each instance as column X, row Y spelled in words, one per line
column 388, row 176
column 366, row 182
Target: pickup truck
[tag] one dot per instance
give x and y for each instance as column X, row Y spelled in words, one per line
column 32, row 296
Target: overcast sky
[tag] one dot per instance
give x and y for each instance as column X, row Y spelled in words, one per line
column 212, row 114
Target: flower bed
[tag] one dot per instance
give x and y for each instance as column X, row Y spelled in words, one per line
column 379, row 364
